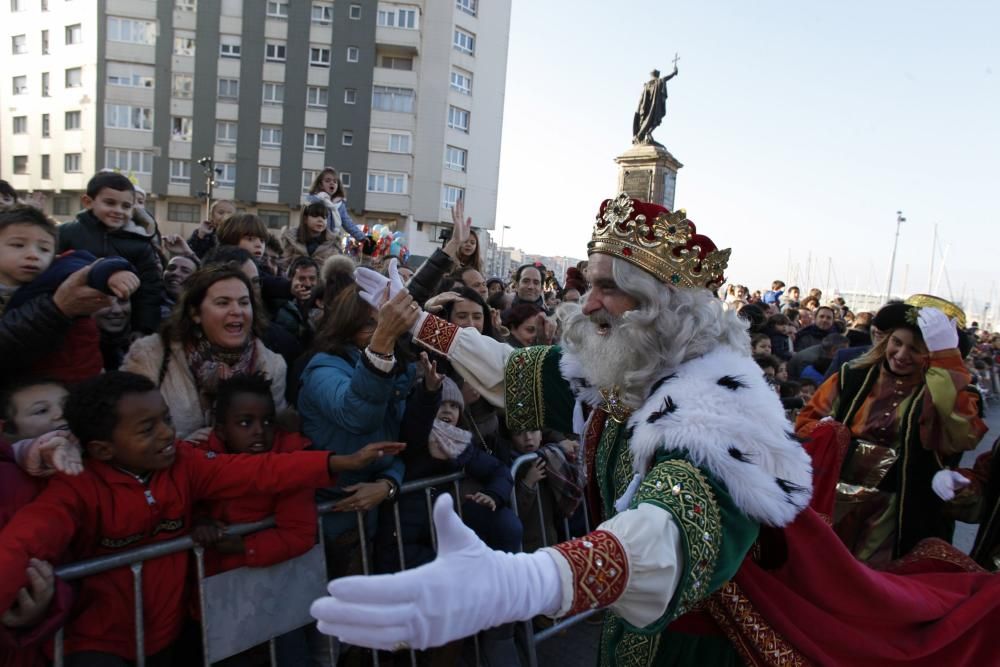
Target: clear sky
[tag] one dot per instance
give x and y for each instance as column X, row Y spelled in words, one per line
column 802, row 126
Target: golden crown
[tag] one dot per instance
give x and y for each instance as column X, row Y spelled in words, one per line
column 662, row 243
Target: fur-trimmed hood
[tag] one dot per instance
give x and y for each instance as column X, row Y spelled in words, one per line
column 719, row 409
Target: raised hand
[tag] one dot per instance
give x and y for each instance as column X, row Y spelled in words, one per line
column 432, row 379
column 939, row 333
column 74, row 298
column 123, row 284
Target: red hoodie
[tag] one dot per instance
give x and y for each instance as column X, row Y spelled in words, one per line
column 294, row 513
column 106, row 511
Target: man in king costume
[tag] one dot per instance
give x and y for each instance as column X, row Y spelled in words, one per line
column 708, row 552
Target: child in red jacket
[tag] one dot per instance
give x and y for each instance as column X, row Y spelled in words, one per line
column 244, row 424
column 138, row 487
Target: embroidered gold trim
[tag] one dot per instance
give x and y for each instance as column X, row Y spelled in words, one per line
column 752, row 637
column 600, row 569
column 523, row 388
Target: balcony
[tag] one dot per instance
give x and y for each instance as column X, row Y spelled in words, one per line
column 401, row 40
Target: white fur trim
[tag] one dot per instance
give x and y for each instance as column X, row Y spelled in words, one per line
column 735, row 429
column 572, row 370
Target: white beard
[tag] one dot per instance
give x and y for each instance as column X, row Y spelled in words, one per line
column 608, row 360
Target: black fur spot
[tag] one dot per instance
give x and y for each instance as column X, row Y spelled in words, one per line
column 659, row 383
column 630, row 432
column 729, row 382
column 788, row 487
column 583, row 383
column 668, row 407
column 793, row 438
column 739, row 455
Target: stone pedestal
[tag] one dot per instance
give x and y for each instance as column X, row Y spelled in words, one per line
column 648, row 172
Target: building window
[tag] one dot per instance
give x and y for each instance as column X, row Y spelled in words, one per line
column 45, row 42
column 315, row 141
column 180, row 171
column 388, row 182
column 464, row 41
column 46, row 168
column 461, row 81
column 180, row 128
column 387, row 141
column 467, row 6
column 20, row 85
column 355, row 13
column 19, row 44
column 129, row 75
column 277, row 9
column 268, row 178
column 322, row 13
column 61, row 205
column 74, row 34
column 225, row 132
column 45, row 84
column 183, row 43
column 229, row 89
column 386, row 98
column 319, row 57
column 347, row 139
column 127, row 117
column 450, row 195
column 20, row 124
column 458, row 119
column 45, row 125
column 350, row 95
column 396, row 62
column 455, row 158
column 398, row 18
column 353, row 54
column 270, row 136
column 128, row 161
column 317, row 97
column 72, row 163
column 74, row 77
column 345, row 179
column 273, row 219
column 225, row 174
column 183, row 85
column 21, row 164
column 72, row 120
column 17, row 5
column 229, row 46
column 184, row 212
column 275, row 52
column 132, row 31
column 308, row 177
column 186, row 5
column 274, row 93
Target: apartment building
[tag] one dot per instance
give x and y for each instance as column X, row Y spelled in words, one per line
column 404, row 99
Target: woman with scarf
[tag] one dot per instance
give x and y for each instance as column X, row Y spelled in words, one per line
column 891, row 424
column 213, row 334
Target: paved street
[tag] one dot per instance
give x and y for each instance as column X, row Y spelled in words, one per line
column 578, row 644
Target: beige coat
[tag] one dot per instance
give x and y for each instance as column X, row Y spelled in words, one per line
column 293, row 248
column 179, row 391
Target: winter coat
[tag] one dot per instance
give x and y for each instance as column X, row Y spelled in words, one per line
column 293, row 247
column 338, row 215
column 178, row 387
column 811, row 335
column 424, row 283
column 295, row 323
column 22, row 647
column 294, row 514
column 202, row 245
column 29, row 333
column 346, row 403
column 106, row 511
column 132, row 243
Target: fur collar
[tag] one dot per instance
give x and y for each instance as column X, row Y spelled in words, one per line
column 719, row 409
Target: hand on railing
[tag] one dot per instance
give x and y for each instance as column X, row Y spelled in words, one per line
column 32, row 600
column 211, row 534
column 482, row 499
column 364, row 496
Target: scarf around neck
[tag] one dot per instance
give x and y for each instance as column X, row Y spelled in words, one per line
column 210, row 364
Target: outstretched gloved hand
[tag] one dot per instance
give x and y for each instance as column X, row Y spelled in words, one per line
column 467, row 588
column 946, row 483
column 938, row 331
column 373, row 284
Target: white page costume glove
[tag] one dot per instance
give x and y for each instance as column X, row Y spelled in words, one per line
column 372, row 284
column 467, row 588
column 946, row 483
column 938, row 331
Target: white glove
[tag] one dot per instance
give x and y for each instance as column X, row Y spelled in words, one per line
column 623, row 503
column 946, row 482
column 938, row 331
column 467, row 588
column 373, row 284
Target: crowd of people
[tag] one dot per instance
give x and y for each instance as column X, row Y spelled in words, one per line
column 136, row 365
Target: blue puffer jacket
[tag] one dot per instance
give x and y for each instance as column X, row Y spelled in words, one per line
column 346, row 404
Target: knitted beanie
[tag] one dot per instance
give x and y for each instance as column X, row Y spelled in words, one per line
column 451, row 393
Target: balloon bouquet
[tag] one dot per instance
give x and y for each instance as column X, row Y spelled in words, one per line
column 380, row 243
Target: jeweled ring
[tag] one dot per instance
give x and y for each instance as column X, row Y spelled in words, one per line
column 401, row 646
column 414, row 306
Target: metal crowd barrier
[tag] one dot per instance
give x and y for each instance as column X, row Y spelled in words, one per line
column 134, row 559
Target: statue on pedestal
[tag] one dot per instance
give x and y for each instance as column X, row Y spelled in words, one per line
column 652, row 107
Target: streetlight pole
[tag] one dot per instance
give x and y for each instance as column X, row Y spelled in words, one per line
column 501, row 267
column 208, row 169
column 892, row 262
